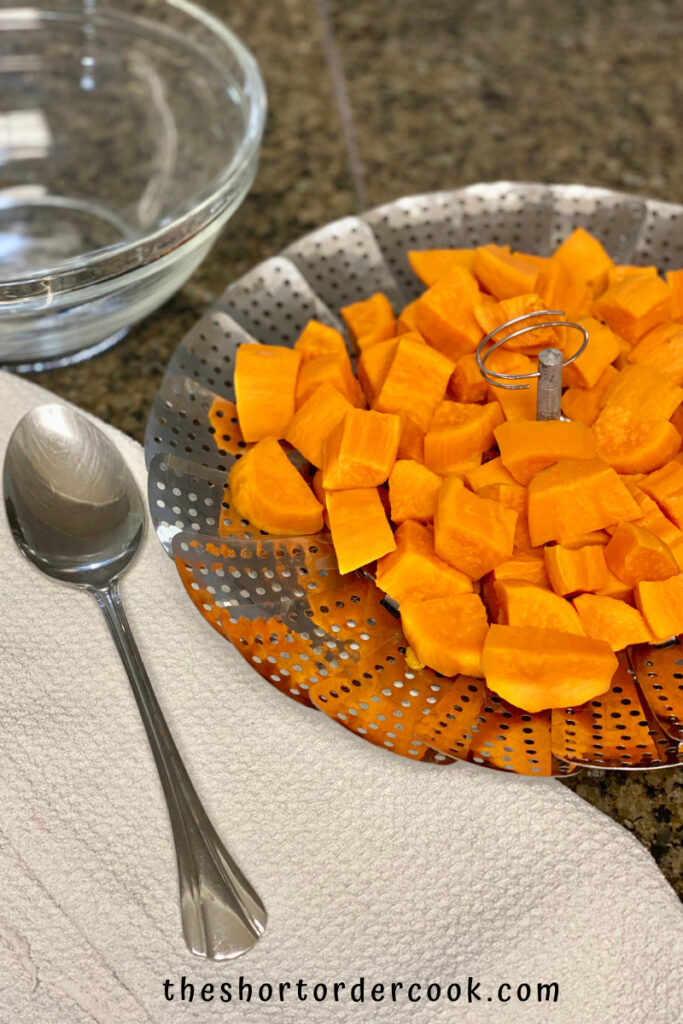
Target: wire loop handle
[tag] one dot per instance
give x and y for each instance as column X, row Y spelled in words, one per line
column 482, row 356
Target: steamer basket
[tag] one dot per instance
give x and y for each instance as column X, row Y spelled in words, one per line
column 328, row 641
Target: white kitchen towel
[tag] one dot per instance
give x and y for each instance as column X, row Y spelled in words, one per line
column 370, row 866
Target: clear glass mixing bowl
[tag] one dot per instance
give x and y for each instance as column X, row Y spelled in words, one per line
column 129, row 133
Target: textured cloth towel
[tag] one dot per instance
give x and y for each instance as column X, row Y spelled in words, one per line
column 370, row 866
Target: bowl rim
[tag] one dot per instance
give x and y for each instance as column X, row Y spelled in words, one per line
column 113, row 261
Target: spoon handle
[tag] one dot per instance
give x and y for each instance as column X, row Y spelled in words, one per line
column 222, row 914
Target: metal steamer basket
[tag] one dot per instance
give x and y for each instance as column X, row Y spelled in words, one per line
column 328, row 641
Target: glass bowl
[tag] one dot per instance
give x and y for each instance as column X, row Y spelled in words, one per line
column 129, row 133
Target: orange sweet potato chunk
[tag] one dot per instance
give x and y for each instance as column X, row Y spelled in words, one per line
column 445, row 314
column 314, row 420
column 634, row 305
column 577, row 496
column 414, row 570
column 621, row 271
column 334, row 368
column 635, row 554
column 411, row 443
column 586, row 259
column 526, row 565
column 583, row 540
column 370, row 321
column 459, row 431
column 373, row 364
column 512, row 496
column 466, row 383
column 503, row 274
column 536, row 669
column 490, row 317
column 270, row 492
column 516, row 405
column 528, row 447
column 615, row 588
column 667, row 531
column 407, row 320
column 464, row 466
column 447, row 633
column 412, row 491
column 265, row 389
column 633, row 482
column 540, row 262
column 576, row 570
column 660, row 602
column 602, row 349
column 472, row 534
column 612, row 620
column 359, row 527
column 491, row 472
column 665, row 486
column 361, row 450
column 674, row 279
column 644, row 391
column 662, row 348
column 523, row 565
column 664, row 483
column 430, row 265
column 632, row 444
column 414, row 381
column 583, row 404
column 559, row 288
column 521, row 603
column 318, row 339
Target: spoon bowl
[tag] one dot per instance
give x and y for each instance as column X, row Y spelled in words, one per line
column 75, row 511
column 72, row 503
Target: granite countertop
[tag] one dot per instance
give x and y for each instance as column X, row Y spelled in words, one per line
column 390, row 97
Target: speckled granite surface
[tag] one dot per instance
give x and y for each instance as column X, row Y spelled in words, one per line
column 373, row 100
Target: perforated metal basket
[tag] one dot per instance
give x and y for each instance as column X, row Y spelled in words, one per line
column 326, row 640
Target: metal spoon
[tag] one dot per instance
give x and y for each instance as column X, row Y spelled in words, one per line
column 75, row 511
